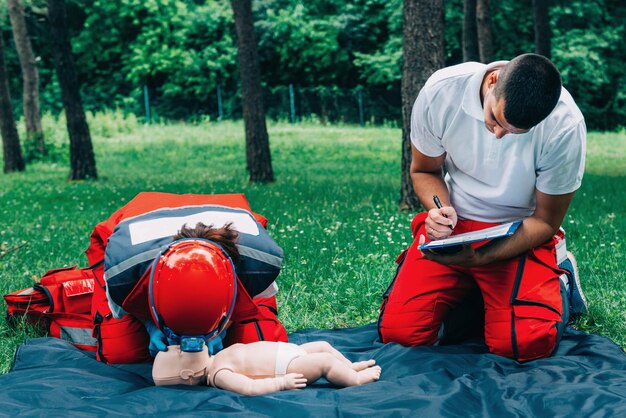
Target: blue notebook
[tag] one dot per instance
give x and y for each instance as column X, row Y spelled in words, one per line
column 494, row 232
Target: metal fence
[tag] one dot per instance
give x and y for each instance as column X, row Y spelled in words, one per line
column 360, row 105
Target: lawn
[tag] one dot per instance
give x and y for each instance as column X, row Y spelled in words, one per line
column 333, row 209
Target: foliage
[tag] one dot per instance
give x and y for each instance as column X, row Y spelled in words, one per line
column 333, row 209
column 304, row 47
column 179, row 49
column 182, row 50
column 588, row 46
column 382, row 67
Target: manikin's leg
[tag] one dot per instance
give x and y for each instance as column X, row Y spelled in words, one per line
column 325, row 347
column 315, row 365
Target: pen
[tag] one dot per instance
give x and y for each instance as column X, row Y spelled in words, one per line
column 438, row 204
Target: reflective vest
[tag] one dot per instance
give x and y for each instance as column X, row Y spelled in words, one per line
column 135, row 235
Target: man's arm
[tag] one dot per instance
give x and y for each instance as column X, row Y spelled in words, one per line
column 534, row 231
column 427, row 178
column 239, row 383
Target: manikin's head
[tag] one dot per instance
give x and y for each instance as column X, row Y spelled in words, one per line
column 521, row 94
column 177, row 367
column 192, row 289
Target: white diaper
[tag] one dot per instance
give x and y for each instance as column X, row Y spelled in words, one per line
column 284, row 354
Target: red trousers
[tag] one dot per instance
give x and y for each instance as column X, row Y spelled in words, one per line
column 522, row 298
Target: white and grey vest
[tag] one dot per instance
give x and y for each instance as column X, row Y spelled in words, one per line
column 137, row 241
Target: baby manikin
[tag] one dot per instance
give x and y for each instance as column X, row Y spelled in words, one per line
column 262, row 367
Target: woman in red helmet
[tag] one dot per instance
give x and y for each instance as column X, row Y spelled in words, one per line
column 190, row 296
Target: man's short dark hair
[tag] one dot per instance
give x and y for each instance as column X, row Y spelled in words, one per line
column 530, row 86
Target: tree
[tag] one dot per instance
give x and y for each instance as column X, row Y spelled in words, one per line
column 82, row 159
column 30, row 77
column 11, row 148
column 543, row 35
column 423, row 54
column 483, row 29
column 258, row 158
column 470, row 34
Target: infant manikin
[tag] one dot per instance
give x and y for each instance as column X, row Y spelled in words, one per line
column 261, row 367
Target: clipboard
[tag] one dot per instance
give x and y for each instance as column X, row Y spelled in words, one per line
column 494, row 232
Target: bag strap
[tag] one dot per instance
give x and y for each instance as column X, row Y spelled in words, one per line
column 44, row 289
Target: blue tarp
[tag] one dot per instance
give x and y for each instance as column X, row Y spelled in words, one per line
column 586, row 377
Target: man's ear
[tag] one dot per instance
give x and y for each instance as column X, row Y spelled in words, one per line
column 492, row 78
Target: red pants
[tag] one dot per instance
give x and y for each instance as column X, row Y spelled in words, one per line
column 522, row 298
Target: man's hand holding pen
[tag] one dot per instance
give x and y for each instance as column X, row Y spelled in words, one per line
column 440, row 221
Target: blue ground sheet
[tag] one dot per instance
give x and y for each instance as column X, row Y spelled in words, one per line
column 586, row 377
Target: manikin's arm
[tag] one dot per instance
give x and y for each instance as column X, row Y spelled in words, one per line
column 239, row 383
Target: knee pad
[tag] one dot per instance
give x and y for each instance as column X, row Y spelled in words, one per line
column 119, row 341
column 534, row 334
column 401, row 328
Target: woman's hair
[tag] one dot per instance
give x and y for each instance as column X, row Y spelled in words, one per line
column 225, row 236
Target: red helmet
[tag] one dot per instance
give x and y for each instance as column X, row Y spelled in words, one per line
column 192, row 289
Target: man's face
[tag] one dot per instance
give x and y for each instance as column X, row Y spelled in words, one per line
column 494, row 117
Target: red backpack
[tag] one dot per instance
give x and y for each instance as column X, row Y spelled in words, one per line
column 61, row 302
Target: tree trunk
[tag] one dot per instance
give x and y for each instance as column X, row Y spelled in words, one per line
column 543, row 35
column 484, row 31
column 258, row 157
column 423, row 54
column 12, row 151
column 470, row 35
column 82, row 160
column 30, row 76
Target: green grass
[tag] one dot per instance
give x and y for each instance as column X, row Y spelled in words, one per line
column 333, row 209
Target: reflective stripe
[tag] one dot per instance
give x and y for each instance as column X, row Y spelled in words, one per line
column 77, row 335
column 168, row 226
column 133, row 261
column 170, row 208
column 116, row 310
column 26, row 292
column 258, row 255
column 271, row 290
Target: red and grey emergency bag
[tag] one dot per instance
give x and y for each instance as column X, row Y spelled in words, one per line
column 60, row 302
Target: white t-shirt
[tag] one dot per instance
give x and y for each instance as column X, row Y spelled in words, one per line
column 489, row 179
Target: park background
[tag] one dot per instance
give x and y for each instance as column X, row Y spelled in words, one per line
column 161, row 89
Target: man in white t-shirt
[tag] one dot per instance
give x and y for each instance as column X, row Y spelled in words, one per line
column 495, row 143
